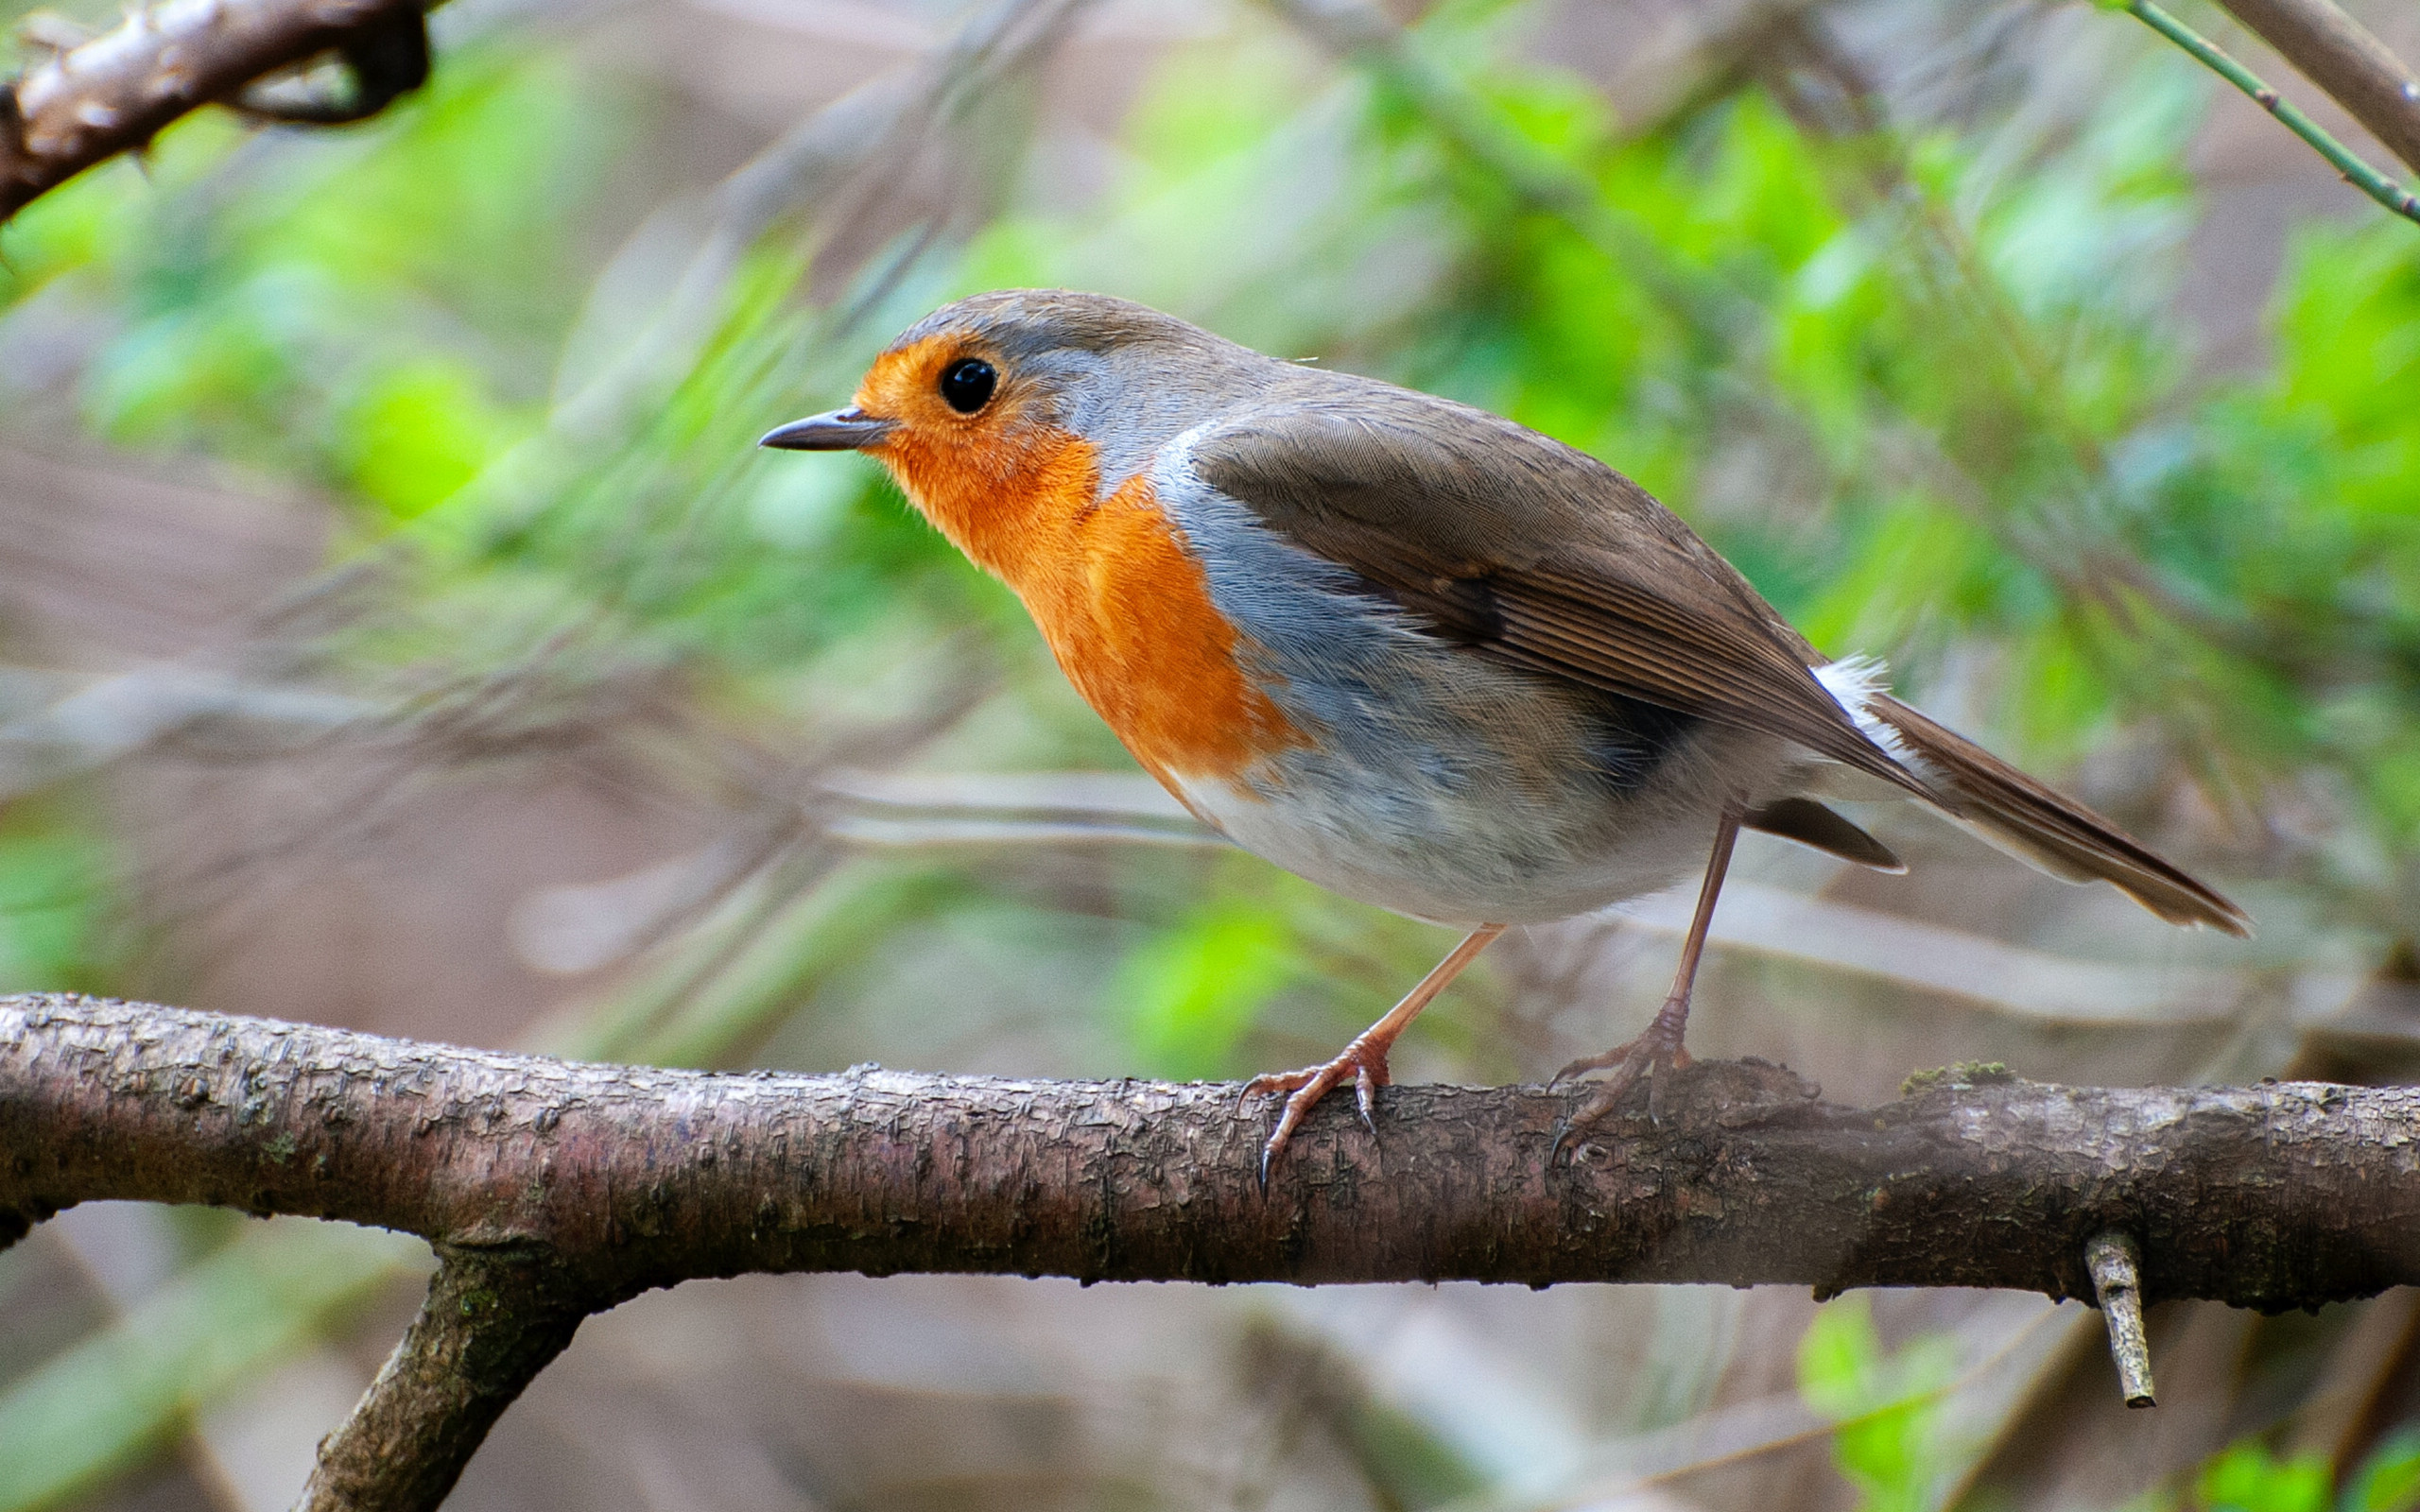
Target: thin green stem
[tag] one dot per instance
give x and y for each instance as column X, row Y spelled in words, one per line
column 2362, row 177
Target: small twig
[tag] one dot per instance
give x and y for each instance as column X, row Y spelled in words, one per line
column 2359, row 174
column 2117, row 1277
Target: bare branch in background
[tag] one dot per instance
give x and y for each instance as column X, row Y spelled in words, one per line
column 110, row 717
column 2338, row 54
column 553, row 1190
column 111, row 94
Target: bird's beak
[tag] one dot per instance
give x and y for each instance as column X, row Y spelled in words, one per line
column 837, row 430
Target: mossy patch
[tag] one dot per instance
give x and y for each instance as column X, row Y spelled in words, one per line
column 1964, row 1074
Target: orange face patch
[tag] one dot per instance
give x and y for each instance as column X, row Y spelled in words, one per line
column 1123, row 605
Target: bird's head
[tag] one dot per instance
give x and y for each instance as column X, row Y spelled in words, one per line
column 1003, row 410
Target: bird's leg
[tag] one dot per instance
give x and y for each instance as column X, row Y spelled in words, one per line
column 1659, row 1052
column 1365, row 1058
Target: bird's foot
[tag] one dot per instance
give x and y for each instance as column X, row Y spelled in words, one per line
column 1364, row 1060
column 1656, row 1054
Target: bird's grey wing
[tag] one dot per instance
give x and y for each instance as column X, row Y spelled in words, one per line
column 1529, row 551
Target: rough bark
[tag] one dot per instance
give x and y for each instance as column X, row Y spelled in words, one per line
column 2270, row 1196
column 553, row 1190
column 2340, row 54
column 96, row 99
column 494, row 1318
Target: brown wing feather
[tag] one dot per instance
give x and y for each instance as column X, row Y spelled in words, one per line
column 1521, row 546
column 2048, row 828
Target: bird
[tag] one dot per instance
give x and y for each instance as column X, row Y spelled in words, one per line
column 1416, row 652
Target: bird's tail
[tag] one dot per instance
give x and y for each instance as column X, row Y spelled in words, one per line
column 2039, row 826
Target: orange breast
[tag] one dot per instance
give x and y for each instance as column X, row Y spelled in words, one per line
column 1125, row 609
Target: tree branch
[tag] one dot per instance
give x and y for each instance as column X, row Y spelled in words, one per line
column 553, row 1190
column 494, row 1318
column 2339, row 54
column 2271, row 1196
column 111, row 94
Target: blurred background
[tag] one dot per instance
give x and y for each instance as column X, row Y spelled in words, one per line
column 398, row 630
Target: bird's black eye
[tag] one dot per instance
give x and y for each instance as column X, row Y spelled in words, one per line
column 967, row 383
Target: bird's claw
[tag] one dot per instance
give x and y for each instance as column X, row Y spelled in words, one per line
column 1656, row 1054
column 1364, row 1063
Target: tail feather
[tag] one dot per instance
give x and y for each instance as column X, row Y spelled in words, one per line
column 2037, row 825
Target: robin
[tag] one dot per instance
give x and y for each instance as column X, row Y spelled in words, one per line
column 1411, row 650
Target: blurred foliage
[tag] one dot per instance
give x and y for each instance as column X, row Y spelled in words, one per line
column 1195, row 990
column 245, row 1306
column 2247, row 1476
column 55, row 902
column 2389, row 1480
column 1889, row 1442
